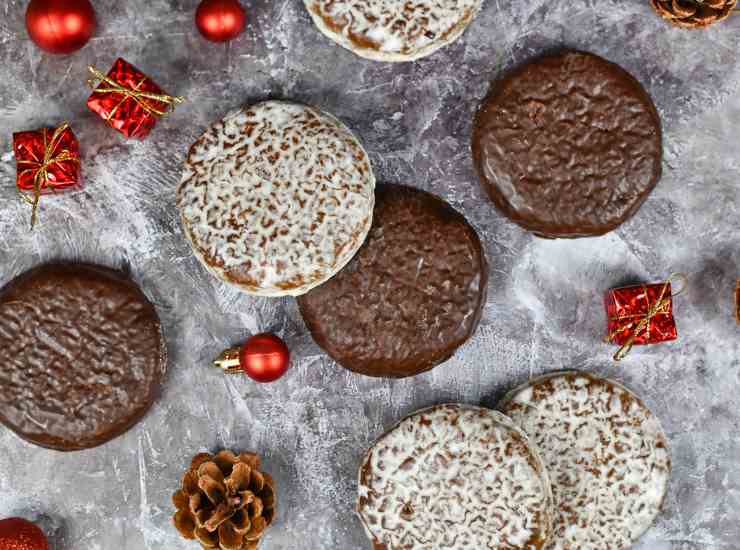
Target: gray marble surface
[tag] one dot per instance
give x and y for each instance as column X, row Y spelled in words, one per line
column 544, row 309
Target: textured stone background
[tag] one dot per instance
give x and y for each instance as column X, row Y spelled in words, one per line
column 544, row 310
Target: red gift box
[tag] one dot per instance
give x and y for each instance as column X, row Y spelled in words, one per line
column 128, row 100
column 640, row 314
column 48, row 160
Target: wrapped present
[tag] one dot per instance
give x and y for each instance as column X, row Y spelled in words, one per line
column 128, row 100
column 641, row 314
column 48, row 160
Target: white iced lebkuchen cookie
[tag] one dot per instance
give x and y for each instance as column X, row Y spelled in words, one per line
column 393, row 30
column 276, row 198
column 606, row 454
column 454, row 477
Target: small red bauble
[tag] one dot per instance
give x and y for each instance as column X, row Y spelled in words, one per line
column 220, row 20
column 60, row 26
column 20, row 534
column 264, row 357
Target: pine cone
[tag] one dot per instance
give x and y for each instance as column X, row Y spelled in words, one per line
column 225, row 501
column 694, row 13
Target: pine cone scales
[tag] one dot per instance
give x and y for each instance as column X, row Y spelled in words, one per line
column 225, row 501
column 694, row 13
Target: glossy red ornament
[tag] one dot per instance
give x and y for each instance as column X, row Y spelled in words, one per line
column 48, row 161
column 642, row 314
column 56, row 150
column 627, row 307
column 264, row 357
column 220, row 20
column 60, row 26
column 128, row 100
column 21, row 534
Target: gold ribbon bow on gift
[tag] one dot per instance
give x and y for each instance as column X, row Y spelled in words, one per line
column 641, row 321
column 139, row 96
column 41, row 179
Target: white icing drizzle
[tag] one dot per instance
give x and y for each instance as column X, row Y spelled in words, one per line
column 454, row 477
column 393, row 30
column 606, row 455
column 276, row 198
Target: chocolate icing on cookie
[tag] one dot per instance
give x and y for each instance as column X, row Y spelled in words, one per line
column 410, row 297
column 82, row 355
column 568, row 145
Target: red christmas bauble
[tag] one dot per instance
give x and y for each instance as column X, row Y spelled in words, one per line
column 20, row 534
column 60, row 26
column 264, row 357
column 220, row 20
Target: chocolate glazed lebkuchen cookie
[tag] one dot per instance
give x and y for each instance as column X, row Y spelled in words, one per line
column 82, row 355
column 410, row 297
column 568, row 145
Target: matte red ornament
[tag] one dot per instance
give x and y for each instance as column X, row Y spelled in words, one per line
column 21, row 534
column 60, row 26
column 220, row 20
column 264, row 358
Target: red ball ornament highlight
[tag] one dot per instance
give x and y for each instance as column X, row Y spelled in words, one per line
column 60, row 26
column 21, row 534
column 220, row 20
column 264, row 358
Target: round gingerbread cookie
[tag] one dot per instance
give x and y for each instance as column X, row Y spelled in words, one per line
column 82, row 355
column 411, row 296
column 276, row 198
column 606, row 454
column 455, row 477
column 568, row 145
column 393, row 30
